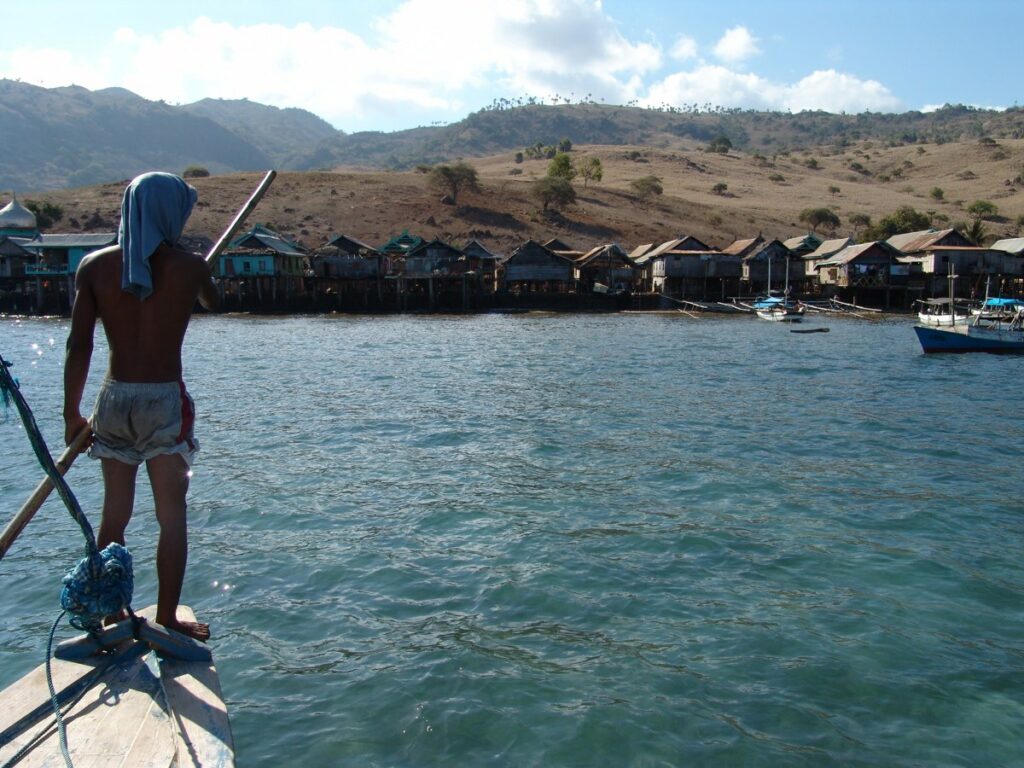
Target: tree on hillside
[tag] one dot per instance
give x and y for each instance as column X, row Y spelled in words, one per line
column 937, row 193
column 590, row 169
column 195, row 172
column 646, row 187
column 982, row 209
column 561, row 167
column 859, row 221
column 565, row 145
column 47, row 214
column 720, row 144
column 903, row 219
column 820, row 217
column 453, row 179
column 554, row 192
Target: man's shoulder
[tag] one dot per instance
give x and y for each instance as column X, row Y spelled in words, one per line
column 183, row 257
column 98, row 259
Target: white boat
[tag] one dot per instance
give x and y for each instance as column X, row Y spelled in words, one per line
column 993, row 309
column 127, row 707
column 939, row 313
column 779, row 308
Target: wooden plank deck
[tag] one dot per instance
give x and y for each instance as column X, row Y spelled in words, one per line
column 142, row 711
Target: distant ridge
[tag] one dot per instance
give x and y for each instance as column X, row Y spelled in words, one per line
column 71, row 136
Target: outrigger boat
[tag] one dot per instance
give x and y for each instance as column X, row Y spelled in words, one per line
column 778, row 308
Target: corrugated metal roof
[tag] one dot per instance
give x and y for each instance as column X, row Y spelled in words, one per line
column 830, row 247
column 851, row 252
column 740, row 247
column 1013, row 245
column 80, row 240
column 918, row 241
column 637, row 253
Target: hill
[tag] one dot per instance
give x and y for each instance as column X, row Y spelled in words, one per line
column 764, row 193
column 68, row 137
column 57, row 137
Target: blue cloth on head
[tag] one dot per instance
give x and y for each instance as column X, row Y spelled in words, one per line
column 154, row 211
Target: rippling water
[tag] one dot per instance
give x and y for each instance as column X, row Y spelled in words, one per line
column 578, row 540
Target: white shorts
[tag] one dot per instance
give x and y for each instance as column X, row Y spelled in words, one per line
column 137, row 422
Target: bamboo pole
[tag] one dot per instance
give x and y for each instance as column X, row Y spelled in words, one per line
column 221, row 244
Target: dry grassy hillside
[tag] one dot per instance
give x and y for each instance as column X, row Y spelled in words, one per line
column 764, row 194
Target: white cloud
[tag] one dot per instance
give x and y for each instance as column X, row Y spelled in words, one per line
column 826, row 90
column 389, row 78
column 684, row 48
column 736, row 45
column 423, row 58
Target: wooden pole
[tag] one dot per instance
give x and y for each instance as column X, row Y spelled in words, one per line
column 42, row 491
column 229, row 233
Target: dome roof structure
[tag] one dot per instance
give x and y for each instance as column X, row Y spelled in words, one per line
column 16, row 216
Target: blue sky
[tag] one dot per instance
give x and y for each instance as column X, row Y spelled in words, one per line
column 397, row 64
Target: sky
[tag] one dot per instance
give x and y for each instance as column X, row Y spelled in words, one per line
column 393, row 64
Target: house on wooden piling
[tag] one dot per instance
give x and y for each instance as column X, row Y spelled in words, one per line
column 345, row 257
column 929, row 255
column 605, row 269
column 534, row 268
column 803, row 244
column 660, row 266
column 1012, row 250
column 768, row 261
column 262, row 269
column 483, row 262
column 42, row 265
column 825, row 250
column 395, row 249
column 869, row 273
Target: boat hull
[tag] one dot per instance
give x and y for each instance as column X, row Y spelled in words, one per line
column 970, row 339
column 136, row 710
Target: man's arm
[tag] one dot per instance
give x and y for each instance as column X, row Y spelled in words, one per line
column 79, row 353
column 208, row 295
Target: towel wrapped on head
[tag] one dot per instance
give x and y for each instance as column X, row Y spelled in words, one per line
column 154, row 211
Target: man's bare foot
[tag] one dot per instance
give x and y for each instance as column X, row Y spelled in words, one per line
column 193, row 629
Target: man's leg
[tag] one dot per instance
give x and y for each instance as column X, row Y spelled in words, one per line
column 168, row 474
column 118, row 500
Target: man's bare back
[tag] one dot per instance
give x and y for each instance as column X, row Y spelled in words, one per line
column 145, row 337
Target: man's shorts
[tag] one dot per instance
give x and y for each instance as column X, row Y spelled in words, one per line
column 137, row 422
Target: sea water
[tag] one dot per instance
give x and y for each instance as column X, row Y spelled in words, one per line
column 576, row 540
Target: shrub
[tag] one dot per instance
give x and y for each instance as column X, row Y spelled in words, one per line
column 720, row 188
column 646, row 187
column 554, row 192
column 195, row 172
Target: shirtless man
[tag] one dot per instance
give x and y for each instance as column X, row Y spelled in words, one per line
column 143, row 291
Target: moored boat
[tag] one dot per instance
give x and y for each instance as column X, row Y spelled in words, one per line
column 975, row 335
column 939, row 312
column 779, row 309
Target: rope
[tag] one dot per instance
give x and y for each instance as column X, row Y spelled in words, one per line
column 62, row 730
